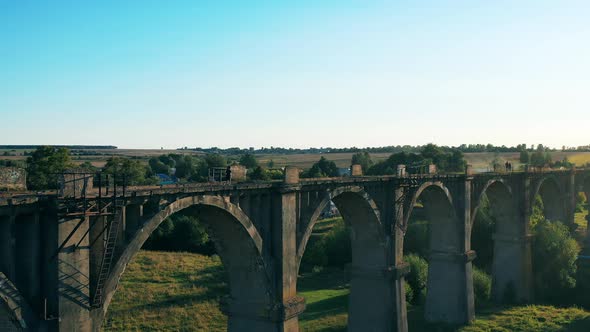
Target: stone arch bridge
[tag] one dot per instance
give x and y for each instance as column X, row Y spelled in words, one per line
column 61, row 257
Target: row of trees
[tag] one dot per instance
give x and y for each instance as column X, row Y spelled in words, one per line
column 465, row 148
column 446, row 161
column 541, row 157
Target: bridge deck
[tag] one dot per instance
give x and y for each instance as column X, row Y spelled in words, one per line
column 28, row 197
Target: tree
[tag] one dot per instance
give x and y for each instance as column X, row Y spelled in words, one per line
column 215, row 160
column 481, row 235
column 249, row 161
column 322, row 168
column 540, row 158
column 417, row 277
column 188, row 167
column 88, row 167
column 414, row 163
column 554, row 262
column 363, row 159
column 158, row 167
column 181, row 232
column 127, row 171
column 524, row 157
column 456, row 162
column 44, row 164
column 259, row 174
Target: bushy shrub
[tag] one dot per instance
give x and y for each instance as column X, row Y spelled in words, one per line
column 337, row 245
column 481, row 236
column 482, row 286
column 554, row 262
column 181, row 232
column 580, row 202
column 538, row 214
column 333, row 249
column 417, row 278
column 417, row 235
column 315, row 255
column 409, row 292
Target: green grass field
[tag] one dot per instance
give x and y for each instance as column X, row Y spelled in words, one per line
column 163, row 291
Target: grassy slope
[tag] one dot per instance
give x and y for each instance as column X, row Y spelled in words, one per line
column 169, row 292
column 180, row 292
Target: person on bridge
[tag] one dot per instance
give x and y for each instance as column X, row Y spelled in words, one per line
column 228, row 174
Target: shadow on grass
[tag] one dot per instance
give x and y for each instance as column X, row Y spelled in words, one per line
column 212, row 281
column 329, row 307
column 416, row 322
column 582, row 325
column 327, row 279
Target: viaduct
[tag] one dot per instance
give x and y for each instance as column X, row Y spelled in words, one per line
column 62, row 255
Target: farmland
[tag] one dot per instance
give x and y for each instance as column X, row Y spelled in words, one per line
column 480, row 160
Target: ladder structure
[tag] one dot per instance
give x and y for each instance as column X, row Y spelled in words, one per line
column 107, row 258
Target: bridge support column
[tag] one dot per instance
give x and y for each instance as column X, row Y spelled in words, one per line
column 74, row 277
column 133, row 215
column 384, row 291
column 7, row 241
column 264, row 317
column 511, row 269
column 284, row 252
column 450, row 288
column 28, row 257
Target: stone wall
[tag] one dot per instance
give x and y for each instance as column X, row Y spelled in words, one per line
column 238, row 173
column 13, row 178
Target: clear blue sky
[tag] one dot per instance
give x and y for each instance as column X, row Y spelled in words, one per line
column 150, row 74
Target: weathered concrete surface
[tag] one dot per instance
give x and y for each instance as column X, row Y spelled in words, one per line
column 75, row 183
column 261, row 232
column 15, row 313
column 13, row 178
column 74, row 279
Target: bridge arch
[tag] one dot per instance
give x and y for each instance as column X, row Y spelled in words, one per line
column 494, row 188
column 350, row 201
column 238, row 244
column 370, row 280
column 449, row 286
column 511, row 264
column 553, row 195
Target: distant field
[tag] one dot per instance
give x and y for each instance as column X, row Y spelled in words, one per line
column 99, row 160
column 481, row 160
